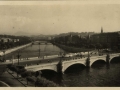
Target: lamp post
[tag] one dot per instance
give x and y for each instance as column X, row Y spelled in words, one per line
column 88, row 59
column 108, row 58
column 45, row 49
column 88, row 52
column 13, row 60
column 18, row 56
column 60, row 53
column 59, row 65
column 4, row 53
column 0, row 57
column 39, row 50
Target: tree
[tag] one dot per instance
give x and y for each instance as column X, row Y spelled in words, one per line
column 30, row 79
column 26, row 74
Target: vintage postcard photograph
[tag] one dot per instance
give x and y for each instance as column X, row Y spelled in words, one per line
column 62, row 43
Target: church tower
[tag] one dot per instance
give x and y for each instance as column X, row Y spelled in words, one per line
column 101, row 30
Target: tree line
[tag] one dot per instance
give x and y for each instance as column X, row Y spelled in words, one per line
column 76, row 41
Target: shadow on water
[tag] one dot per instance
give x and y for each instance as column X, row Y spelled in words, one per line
column 48, row 73
column 58, row 78
column 98, row 64
column 107, row 66
column 52, row 76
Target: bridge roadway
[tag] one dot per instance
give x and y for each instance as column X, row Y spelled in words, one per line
column 36, row 60
column 67, row 62
column 51, row 58
column 41, row 42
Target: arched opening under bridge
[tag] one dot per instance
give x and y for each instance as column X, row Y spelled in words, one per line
column 115, row 60
column 50, row 75
column 75, row 68
column 98, row 63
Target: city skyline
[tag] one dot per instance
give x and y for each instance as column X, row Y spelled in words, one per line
column 54, row 18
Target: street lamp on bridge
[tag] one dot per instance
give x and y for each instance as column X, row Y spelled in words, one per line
column 39, row 50
column 18, row 56
column 4, row 53
column 45, row 49
column 88, row 58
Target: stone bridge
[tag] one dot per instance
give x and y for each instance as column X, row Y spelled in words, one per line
column 41, row 42
column 62, row 65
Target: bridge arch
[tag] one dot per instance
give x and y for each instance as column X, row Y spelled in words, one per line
column 115, row 59
column 42, row 67
column 75, row 67
column 97, row 61
column 68, row 65
column 48, row 72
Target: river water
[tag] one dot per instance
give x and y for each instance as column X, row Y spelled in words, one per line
column 98, row 75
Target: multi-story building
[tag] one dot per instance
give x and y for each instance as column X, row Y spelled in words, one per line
column 111, row 38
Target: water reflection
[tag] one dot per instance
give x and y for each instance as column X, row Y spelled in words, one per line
column 33, row 51
column 107, row 66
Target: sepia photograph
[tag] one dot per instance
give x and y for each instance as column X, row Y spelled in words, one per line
column 59, row 43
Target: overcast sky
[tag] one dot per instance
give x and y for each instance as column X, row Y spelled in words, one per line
column 59, row 18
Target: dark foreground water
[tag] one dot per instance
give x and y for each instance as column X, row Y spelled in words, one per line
column 94, row 77
column 77, row 75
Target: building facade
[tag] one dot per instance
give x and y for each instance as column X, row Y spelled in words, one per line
column 111, row 39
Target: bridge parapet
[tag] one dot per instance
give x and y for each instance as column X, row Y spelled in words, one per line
column 41, row 42
column 63, row 65
column 50, row 66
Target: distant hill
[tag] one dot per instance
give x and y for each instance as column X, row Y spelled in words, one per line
column 21, row 33
column 38, row 35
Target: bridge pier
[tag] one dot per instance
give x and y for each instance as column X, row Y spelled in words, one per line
column 59, row 67
column 88, row 62
column 108, row 59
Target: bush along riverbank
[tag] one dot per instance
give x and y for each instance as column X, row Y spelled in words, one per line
column 31, row 77
column 71, row 49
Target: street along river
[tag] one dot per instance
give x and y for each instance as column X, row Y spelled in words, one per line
column 77, row 75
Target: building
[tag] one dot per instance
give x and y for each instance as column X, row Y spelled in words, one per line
column 110, row 38
column 5, row 40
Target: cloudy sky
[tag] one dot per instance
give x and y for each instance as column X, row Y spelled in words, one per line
column 55, row 18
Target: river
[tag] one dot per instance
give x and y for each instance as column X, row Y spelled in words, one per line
column 99, row 75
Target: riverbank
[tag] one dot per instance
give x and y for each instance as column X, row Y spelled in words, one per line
column 13, row 49
column 72, row 49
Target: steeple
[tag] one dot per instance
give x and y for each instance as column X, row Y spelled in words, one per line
column 101, row 30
